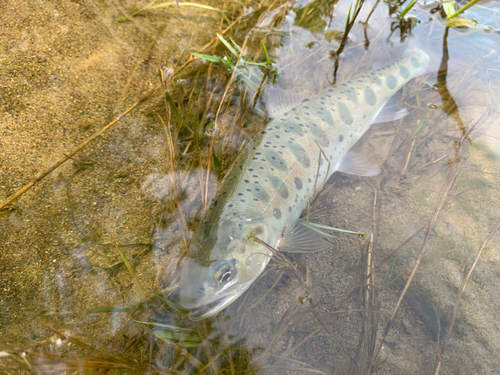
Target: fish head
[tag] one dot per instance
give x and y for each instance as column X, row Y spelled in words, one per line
column 224, row 260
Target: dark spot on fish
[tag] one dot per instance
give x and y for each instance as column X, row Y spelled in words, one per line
column 345, row 114
column 306, row 107
column 298, row 183
column 370, row 97
column 240, row 194
column 377, row 81
column 297, row 118
column 320, row 136
column 305, row 100
column 280, row 187
column 415, row 62
column 230, row 206
column 242, row 200
column 405, row 73
column 214, row 204
column 261, row 194
column 276, row 136
column 300, row 154
column 297, row 130
column 391, row 82
column 290, row 209
column 277, row 213
column 276, row 160
column 341, row 138
column 351, row 95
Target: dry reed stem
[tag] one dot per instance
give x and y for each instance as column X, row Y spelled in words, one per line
column 82, row 145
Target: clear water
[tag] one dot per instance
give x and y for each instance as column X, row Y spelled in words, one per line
column 138, row 191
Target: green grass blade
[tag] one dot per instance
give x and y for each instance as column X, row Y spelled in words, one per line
column 166, row 326
column 265, row 52
column 463, row 9
column 421, row 122
column 407, row 8
column 173, row 107
column 215, row 59
column 228, row 45
column 176, row 336
column 449, row 8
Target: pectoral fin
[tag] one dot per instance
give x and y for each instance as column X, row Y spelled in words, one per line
column 302, row 238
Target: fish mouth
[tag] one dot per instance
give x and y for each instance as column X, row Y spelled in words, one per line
column 210, row 309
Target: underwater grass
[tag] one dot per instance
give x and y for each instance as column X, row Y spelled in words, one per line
column 463, row 9
column 407, row 8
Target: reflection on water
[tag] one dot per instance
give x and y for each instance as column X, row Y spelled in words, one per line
column 89, row 260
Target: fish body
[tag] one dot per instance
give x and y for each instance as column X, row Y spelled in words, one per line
column 268, row 187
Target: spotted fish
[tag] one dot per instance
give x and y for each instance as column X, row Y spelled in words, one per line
column 268, row 187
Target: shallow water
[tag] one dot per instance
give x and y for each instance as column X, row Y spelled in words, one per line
column 139, row 190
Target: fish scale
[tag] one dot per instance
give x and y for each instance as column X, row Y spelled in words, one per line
column 267, row 189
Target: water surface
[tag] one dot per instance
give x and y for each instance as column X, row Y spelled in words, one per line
column 139, row 190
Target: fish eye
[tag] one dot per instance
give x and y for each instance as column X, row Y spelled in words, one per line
column 223, row 274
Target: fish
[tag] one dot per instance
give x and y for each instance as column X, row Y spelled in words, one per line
column 261, row 198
